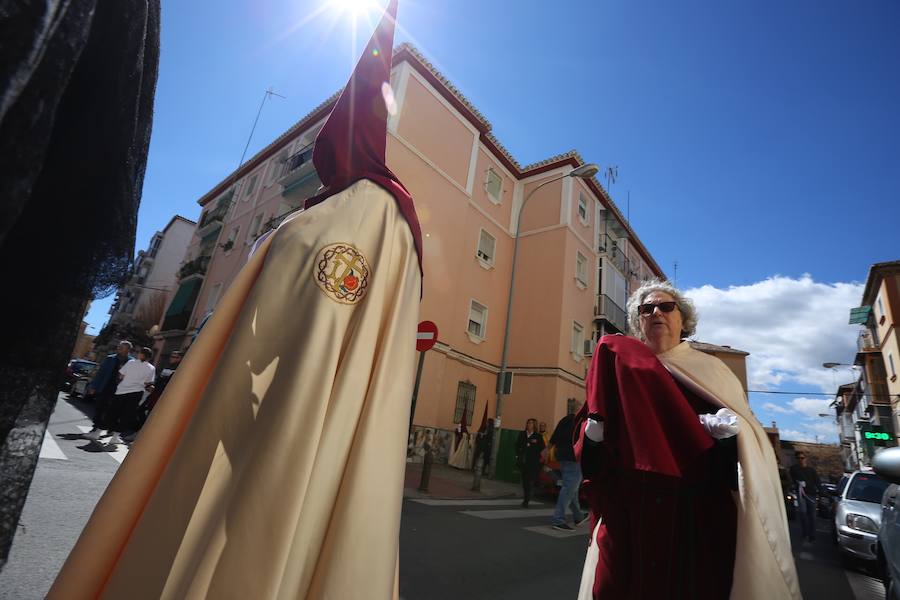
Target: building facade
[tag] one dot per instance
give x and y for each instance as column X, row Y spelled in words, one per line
column 577, row 258
column 140, row 302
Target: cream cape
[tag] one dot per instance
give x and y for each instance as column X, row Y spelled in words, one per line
column 273, row 465
column 763, row 566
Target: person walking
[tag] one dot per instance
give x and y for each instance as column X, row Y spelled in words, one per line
column 159, row 386
column 134, row 378
column 529, row 446
column 561, row 444
column 103, row 387
column 806, row 485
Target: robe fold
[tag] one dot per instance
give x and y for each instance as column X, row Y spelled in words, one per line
column 273, row 465
column 654, row 441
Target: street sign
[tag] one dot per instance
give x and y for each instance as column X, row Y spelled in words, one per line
column 426, row 336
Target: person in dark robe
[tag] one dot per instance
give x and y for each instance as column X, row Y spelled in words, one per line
column 529, row 446
column 683, row 484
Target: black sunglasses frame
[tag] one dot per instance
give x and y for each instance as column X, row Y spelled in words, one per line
column 665, row 307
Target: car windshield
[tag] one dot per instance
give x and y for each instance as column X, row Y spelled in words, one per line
column 83, row 367
column 867, row 488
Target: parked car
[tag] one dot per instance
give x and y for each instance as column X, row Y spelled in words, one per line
column 826, row 501
column 887, row 465
column 76, row 368
column 857, row 514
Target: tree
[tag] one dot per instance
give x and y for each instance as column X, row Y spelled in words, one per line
column 76, row 103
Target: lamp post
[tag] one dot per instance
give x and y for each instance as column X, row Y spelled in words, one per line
column 583, row 172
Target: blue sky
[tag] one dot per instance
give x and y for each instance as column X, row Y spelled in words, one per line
column 758, row 141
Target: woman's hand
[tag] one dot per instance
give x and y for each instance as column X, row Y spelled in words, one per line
column 723, row 424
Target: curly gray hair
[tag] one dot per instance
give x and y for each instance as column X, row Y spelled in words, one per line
column 685, row 306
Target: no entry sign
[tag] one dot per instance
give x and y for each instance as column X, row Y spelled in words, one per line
column 426, row 336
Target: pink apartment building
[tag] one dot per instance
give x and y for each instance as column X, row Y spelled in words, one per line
column 578, row 257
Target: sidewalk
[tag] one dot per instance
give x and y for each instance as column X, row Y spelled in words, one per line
column 449, row 482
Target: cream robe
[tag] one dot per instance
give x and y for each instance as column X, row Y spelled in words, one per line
column 763, row 564
column 273, row 465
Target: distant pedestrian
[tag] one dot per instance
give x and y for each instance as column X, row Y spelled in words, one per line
column 159, row 386
column 484, row 442
column 561, row 444
column 806, row 485
column 545, row 455
column 103, row 387
column 528, row 457
column 135, row 377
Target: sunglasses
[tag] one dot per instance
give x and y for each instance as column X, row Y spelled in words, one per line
column 666, row 307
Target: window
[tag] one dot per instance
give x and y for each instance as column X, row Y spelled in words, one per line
column 577, row 339
column 465, row 402
column 254, row 228
column 893, row 371
column 881, row 310
column 213, row 298
column 274, row 169
column 477, row 320
column 581, row 267
column 232, row 236
column 493, row 185
column 486, row 246
column 251, row 187
column 582, row 208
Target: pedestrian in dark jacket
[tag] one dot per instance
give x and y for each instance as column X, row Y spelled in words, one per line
column 103, row 387
column 529, row 446
column 805, row 482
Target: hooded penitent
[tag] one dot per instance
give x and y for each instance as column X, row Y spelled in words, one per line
column 272, row 466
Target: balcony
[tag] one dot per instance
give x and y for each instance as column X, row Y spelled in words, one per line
column 614, row 251
column 866, row 342
column 606, row 308
column 197, row 266
column 297, row 166
column 214, row 218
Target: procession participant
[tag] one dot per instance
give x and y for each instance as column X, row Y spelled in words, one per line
column 684, row 487
column 273, row 465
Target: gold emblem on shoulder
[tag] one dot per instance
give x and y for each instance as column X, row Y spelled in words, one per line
column 342, row 273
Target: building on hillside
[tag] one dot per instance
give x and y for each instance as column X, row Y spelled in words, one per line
column 824, row 458
column 577, row 258
column 140, row 303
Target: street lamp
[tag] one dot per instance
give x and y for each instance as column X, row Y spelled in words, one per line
column 583, row 172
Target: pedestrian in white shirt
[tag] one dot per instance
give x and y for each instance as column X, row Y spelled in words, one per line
column 135, row 377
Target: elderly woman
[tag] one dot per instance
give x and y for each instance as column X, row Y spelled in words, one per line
column 684, row 488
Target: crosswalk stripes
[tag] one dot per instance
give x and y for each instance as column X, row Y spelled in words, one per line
column 50, row 449
column 494, row 510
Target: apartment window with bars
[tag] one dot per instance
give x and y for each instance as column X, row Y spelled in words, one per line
column 493, row 184
column 254, row 228
column 251, row 187
column 486, row 246
column 581, row 266
column 477, row 319
column 465, row 401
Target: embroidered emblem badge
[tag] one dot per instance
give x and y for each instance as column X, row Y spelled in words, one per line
column 342, row 273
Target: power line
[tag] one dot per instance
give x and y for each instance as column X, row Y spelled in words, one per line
column 889, row 396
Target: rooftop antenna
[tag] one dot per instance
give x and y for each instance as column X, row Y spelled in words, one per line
column 269, row 92
column 675, row 275
column 628, row 208
column 611, row 174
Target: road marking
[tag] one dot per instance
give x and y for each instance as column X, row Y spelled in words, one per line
column 118, row 454
column 50, row 449
column 465, row 502
column 865, row 587
column 522, row 513
column 556, row 533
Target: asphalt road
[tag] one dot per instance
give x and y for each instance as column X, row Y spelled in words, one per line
column 449, row 548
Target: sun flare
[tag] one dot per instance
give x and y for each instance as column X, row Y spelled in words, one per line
column 356, row 7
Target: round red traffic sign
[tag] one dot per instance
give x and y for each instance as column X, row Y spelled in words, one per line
column 426, row 336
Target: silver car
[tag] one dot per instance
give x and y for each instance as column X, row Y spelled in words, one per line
column 887, row 465
column 857, row 514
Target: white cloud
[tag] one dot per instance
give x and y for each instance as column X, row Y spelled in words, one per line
column 812, row 407
column 797, row 436
column 776, row 408
column 789, row 327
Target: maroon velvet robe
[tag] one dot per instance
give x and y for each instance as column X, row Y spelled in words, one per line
column 660, row 484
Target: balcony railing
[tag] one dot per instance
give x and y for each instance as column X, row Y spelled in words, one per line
column 614, row 251
column 606, row 308
column 297, row 166
column 866, row 342
column 194, row 267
